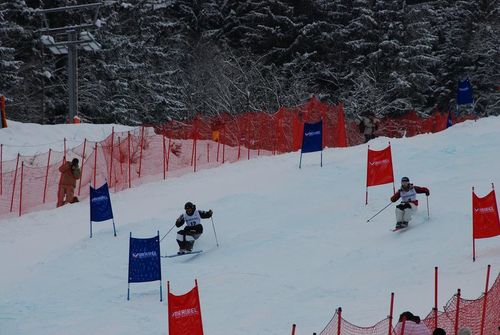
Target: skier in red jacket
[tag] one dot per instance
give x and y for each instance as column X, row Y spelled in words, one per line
column 409, row 203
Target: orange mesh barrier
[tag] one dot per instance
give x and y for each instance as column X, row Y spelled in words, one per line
column 127, row 159
column 457, row 313
column 347, row 328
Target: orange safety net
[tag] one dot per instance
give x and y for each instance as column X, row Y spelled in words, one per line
column 126, row 159
column 481, row 316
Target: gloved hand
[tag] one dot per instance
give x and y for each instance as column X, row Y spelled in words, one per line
column 427, row 193
column 210, row 212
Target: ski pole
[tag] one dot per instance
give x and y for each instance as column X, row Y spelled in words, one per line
column 428, row 215
column 167, row 232
column 380, row 211
column 213, row 225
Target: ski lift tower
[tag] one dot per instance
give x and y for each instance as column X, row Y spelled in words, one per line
column 66, row 40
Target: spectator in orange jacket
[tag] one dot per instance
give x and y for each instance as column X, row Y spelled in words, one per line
column 408, row 206
column 70, row 173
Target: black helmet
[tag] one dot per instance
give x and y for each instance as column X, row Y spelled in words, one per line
column 405, row 180
column 189, row 205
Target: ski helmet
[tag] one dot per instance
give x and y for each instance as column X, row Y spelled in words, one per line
column 405, row 180
column 189, row 205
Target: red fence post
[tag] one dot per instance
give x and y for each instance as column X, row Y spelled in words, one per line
column 239, row 148
column 403, row 326
column 457, row 312
column 208, row 152
column 111, row 158
column 120, row 158
column 46, row 176
column 168, row 152
column 391, row 311
column 83, row 161
column 129, row 161
column 339, row 322
column 218, row 148
column 164, row 158
column 485, row 299
column 195, row 153
column 140, row 155
column 224, row 144
column 1, row 169
column 473, row 239
column 21, row 189
column 64, row 153
column 14, row 184
column 95, row 164
column 435, row 297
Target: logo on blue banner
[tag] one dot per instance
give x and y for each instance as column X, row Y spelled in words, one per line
column 313, row 137
column 464, row 92
column 100, row 204
column 144, row 260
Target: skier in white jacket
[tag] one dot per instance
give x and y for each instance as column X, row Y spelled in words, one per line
column 193, row 229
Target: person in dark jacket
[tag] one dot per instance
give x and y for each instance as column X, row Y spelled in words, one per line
column 412, row 325
column 193, row 229
column 409, row 203
column 70, row 173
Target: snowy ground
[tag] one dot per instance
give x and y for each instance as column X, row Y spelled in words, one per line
column 294, row 244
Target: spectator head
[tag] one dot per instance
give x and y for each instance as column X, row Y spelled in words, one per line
column 406, row 316
column 439, row 331
column 75, row 162
column 464, row 331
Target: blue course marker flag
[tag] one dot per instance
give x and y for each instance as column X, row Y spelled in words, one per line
column 100, row 206
column 144, row 261
column 312, row 139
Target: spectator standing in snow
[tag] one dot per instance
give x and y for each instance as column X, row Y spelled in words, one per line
column 70, row 173
column 412, row 325
column 409, row 203
column 193, row 230
column 439, row 331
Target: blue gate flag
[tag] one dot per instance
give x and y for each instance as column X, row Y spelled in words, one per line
column 100, row 204
column 312, row 140
column 144, row 261
column 464, row 92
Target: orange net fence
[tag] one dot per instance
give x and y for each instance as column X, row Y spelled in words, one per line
column 127, row 159
column 481, row 316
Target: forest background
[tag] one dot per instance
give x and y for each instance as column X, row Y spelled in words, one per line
column 173, row 59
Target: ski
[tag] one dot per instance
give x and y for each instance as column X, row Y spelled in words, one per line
column 398, row 229
column 187, row 253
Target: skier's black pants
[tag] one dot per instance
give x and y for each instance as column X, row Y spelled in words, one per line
column 187, row 236
column 404, row 205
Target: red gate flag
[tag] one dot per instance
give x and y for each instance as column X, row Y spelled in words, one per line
column 184, row 313
column 485, row 222
column 379, row 168
column 485, row 216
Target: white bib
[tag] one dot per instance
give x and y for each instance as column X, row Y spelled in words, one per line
column 410, row 195
column 192, row 220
